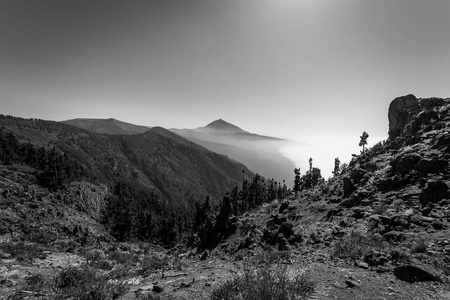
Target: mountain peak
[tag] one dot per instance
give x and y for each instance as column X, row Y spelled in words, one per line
column 223, row 126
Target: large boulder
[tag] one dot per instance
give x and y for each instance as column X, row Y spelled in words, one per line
column 434, row 191
column 401, row 111
column 431, row 165
column 414, row 273
column 404, row 164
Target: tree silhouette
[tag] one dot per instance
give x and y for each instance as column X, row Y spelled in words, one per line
column 363, row 140
column 297, row 180
column 337, row 162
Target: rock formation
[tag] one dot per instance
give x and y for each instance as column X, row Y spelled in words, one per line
column 401, row 111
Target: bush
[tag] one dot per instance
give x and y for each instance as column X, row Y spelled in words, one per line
column 266, row 281
column 124, row 258
column 35, row 282
column 84, row 283
column 96, row 259
column 356, row 244
column 152, row 263
column 24, row 251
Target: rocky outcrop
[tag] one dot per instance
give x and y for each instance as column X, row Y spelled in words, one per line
column 401, row 111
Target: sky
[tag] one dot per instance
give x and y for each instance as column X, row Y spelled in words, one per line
column 315, row 71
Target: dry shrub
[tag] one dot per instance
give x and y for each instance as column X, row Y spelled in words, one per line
column 24, row 251
column 124, row 258
column 85, row 283
column 357, row 244
column 152, row 263
column 266, row 280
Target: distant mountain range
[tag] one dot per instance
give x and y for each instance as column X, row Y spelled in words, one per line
column 258, row 152
column 157, row 160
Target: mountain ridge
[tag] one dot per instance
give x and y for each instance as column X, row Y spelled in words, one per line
column 107, row 126
column 148, row 157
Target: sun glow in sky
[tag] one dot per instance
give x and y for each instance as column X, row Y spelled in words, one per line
column 286, row 68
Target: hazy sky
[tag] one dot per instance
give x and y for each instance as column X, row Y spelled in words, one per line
column 285, row 68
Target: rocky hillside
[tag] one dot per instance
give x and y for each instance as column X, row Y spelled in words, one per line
column 150, row 181
column 386, row 216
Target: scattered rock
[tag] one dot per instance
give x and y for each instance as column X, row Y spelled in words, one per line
column 396, row 236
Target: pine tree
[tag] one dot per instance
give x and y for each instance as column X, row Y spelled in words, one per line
column 337, row 163
column 363, row 140
column 297, row 180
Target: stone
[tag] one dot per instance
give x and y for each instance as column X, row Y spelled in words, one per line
column 434, row 191
column 348, row 187
column 394, row 236
column 385, row 220
column 362, row 264
column 352, row 283
column 401, row 220
column 204, row 255
column 283, row 244
column 358, row 213
column 433, row 165
column 157, row 289
column 426, row 211
column 358, row 175
column 354, row 200
column 409, row 212
column 414, row 273
column 284, row 206
column 406, row 163
column 438, row 225
column 436, row 213
column 4, row 255
column 366, row 202
column 444, row 202
column 286, row 229
column 426, row 219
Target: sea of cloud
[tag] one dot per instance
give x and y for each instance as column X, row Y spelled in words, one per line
column 324, row 150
